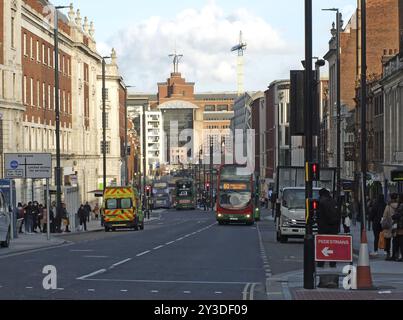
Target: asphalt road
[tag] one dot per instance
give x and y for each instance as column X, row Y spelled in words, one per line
column 182, row 255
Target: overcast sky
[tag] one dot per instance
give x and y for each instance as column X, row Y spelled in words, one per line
column 144, row 33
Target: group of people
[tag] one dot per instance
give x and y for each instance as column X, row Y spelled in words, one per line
column 34, row 217
column 387, row 222
column 84, row 213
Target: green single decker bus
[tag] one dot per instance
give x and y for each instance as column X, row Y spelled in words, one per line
column 185, row 194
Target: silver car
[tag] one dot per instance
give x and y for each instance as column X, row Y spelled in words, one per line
column 5, row 223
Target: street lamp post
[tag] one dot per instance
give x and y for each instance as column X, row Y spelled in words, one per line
column 125, row 148
column 104, row 119
column 338, row 101
column 211, row 172
column 57, row 120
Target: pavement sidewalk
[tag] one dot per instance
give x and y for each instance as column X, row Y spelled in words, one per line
column 387, row 278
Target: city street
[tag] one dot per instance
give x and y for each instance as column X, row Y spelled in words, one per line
column 181, row 255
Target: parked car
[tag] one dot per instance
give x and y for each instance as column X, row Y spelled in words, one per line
column 5, row 223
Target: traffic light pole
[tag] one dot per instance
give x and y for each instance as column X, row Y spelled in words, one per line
column 309, row 243
column 211, row 174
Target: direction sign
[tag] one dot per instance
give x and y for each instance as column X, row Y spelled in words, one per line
column 28, row 165
column 333, row 248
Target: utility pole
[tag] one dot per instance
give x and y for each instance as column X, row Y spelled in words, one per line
column 144, row 158
column 309, row 245
column 211, row 172
column 363, row 103
column 57, row 120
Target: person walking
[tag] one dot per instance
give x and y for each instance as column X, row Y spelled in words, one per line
column 65, row 217
column 375, row 216
column 35, row 215
column 398, row 222
column 346, row 215
column 96, row 212
column 88, row 210
column 29, row 219
column 329, row 219
column 82, row 215
column 21, row 215
column 387, row 224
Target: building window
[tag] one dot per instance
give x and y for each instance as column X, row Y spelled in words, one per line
column 63, row 64
column 68, row 67
column 43, row 54
column 64, row 102
column 108, row 147
column 49, row 97
column 222, row 108
column 49, row 61
column 209, row 108
column 106, row 120
column 31, row 48
column 25, row 90
column 12, row 32
column 25, row 44
column 38, row 91
column 32, row 92
column 38, row 54
column 44, row 96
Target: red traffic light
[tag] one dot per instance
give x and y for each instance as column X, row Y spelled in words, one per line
column 313, row 172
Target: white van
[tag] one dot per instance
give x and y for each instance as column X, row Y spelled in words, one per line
column 290, row 222
column 5, row 223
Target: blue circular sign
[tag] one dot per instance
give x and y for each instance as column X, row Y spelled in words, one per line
column 14, row 164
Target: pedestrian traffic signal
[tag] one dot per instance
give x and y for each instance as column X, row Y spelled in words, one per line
column 313, row 170
column 313, row 208
column 208, row 186
column 148, row 191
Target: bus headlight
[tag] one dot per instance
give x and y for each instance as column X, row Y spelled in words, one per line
column 220, row 215
column 248, row 216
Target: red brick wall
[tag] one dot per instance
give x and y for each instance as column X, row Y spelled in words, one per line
column 44, row 74
column 382, row 32
column 38, row 7
column 348, row 66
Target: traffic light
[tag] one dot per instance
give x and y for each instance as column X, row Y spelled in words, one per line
column 207, row 187
column 313, row 170
column 314, row 208
column 148, row 191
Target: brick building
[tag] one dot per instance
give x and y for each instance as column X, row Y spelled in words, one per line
column 27, row 94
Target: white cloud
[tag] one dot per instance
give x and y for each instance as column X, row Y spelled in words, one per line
column 205, row 37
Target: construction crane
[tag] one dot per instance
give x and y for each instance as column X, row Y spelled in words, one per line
column 240, row 48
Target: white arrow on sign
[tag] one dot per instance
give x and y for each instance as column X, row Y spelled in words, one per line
column 327, row 252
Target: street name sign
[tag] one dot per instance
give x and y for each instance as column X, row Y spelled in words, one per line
column 333, row 248
column 28, row 165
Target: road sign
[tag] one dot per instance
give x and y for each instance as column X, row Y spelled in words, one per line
column 28, row 166
column 333, row 248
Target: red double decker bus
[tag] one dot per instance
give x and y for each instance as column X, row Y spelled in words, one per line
column 235, row 195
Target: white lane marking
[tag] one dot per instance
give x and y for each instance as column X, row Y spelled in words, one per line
column 168, row 281
column 180, row 239
column 120, row 263
column 91, row 290
column 60, row 289
column 154, row 291
column 29, row 287
column 168, row 243
column 123, row 290
column 159, row 247
column 246, row 291
column 92, row 274
column 218, row 292
column 187, row 292
column 143, row 253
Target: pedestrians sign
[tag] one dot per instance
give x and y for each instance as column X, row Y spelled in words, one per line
column 28, row 166
column 333, row 248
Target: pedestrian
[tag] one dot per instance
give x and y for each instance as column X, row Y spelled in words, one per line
column 398, row 222
column 82, row 215
column 375, row 216
column 346, row 214
column 96, row 212
column 35, row 216
column 29, row 219
column 65, row 217
column 387, row 224
column 88, row 211
column 40, row 217
column 329, row 219
column 15, row 212
column 44, row 221
column 20, row 216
